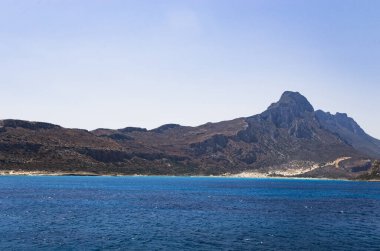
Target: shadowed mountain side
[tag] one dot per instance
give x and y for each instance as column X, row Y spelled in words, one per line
column 288, row 131
column 349, row 131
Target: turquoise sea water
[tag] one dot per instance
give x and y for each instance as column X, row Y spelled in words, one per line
column 184, row 213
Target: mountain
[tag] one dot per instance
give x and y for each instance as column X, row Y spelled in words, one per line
column 290, row 138
column 350, row 131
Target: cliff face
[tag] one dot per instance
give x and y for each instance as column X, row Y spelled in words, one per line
column 288, row 132
column 347, row 129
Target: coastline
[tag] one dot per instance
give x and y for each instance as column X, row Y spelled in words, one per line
column 255, row 175
column 42, row 173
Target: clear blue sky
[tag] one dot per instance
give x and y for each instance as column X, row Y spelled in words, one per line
column 118, row 63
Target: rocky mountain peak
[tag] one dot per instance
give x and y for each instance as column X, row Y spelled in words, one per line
column 295, row 101
column 338, row 122
column 291, row 106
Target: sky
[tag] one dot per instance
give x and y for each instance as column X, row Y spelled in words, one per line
column 117, row 63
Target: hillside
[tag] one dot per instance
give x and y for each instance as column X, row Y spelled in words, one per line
column 288, row 136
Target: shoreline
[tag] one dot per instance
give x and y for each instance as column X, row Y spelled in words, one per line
column 237, row 176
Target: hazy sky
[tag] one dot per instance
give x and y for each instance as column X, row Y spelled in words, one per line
column 118, row 63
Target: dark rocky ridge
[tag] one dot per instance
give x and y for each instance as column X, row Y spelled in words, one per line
column 26, row 124
column 288, row 131
column 347, row 129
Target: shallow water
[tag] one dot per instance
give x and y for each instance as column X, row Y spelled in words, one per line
column 178, row 213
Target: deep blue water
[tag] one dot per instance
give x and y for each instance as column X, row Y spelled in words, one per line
column 175, row 213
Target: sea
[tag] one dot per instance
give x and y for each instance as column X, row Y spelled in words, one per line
column 187, row 213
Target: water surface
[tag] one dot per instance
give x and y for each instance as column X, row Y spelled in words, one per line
column 184, row 213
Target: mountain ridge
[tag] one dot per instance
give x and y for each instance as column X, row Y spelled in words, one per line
column 289, row 135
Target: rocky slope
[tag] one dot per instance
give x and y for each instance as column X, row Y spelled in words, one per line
column 373, row 173
column 350, row 131
column 289, row 138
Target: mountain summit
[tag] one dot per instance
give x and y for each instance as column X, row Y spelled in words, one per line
column 294, row 101
column 290, row 109
column 288, row 139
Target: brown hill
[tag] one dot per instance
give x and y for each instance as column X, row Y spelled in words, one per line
column 288, row 135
